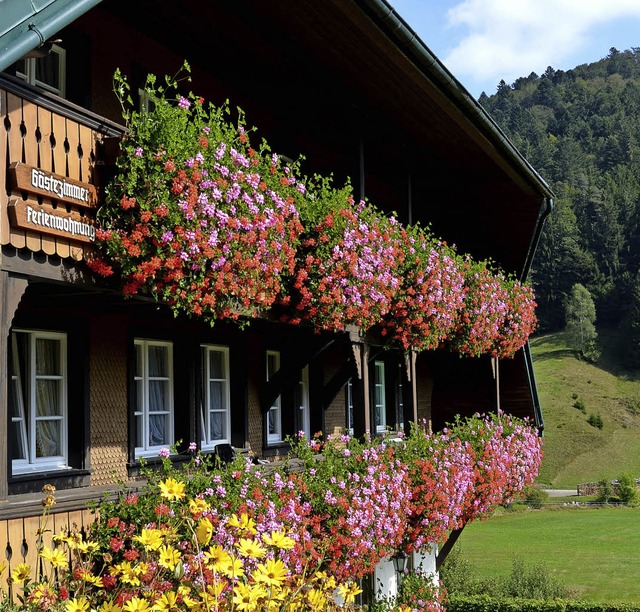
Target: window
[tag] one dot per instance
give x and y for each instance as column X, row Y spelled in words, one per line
column 303, row 406
column 379, row 397
column 38, row 401
column 400, row 399
column 47, row 72
column 274, row 416
column 153, row 397
column 350, row 407
column 215, row 413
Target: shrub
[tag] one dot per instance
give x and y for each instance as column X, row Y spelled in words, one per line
column 534, row 582
column 536, row 497
column 579, row 404
column 628, row 490
column 595, row 420
column 456, row 574
column 530, row 582
column 485, row 603
column 606, row 492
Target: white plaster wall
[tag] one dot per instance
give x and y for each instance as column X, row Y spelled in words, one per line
column 385, row 579
column 426, row 561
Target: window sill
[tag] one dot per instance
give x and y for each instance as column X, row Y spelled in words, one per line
column 153, row 462
column 276, row 449
column 61, row 479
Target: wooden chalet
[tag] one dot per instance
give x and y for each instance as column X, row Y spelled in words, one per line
column 93, row 382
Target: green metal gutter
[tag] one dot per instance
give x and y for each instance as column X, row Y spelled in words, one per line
column 27, row 24
column 535, row 399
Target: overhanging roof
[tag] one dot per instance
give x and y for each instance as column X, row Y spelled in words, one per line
column 27, row 25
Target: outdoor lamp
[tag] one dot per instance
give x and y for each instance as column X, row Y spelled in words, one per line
column 400, row 563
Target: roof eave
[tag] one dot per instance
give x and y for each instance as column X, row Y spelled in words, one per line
column 34, row 24
column 388, row 20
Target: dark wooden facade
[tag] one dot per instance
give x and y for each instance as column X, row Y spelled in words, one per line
column 345, row 85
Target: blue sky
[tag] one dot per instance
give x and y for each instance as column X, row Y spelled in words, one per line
column 484, row 41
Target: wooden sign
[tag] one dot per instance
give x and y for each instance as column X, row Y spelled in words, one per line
column 45, row 219
column 52, row 186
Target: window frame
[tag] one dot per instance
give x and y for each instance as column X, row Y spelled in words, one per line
column 304, row 406
column 205, row 410
column 146, row 450
column 32, row 463
column 380, row 409
column 29, row 72
column 276, row 407
column 349, row 406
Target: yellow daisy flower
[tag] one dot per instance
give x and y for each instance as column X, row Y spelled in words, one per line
column 87, row 547
column 279, row 540
column 216, row 558
column 22, row 573
column 233, row 569
column 215, row 588
column 91, row 579
column 128, row 575
column 185, row 593
column 198, row 506
column 204, row 531
column 56, row 557
column 317, row 599
column 109, row 606
column 244, row 523
column 168, row 557
column 149, row 538
column 137, row 604
column 172, row 489
column 167, row 602
column 250, row 548
column 349, row 591
column 272, row 572
column 246, row 597
column 77, row 604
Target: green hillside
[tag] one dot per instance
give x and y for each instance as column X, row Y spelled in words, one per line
column 580, row 129
column 574, row 450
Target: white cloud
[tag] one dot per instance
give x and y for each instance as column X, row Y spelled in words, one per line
column 506, row 39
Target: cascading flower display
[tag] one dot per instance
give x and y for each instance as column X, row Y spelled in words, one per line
column 197, row 217
column 201, row 220
column 520, row 320
column 430, row 295
column 251, row 537
column 483, row 312
column 348, row 270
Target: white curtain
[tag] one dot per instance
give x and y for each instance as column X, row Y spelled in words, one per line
column 158, row 395
column 48, row 408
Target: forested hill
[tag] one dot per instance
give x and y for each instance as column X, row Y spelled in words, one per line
column 580, row 129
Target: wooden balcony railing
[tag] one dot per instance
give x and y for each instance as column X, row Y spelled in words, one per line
column 43, row 131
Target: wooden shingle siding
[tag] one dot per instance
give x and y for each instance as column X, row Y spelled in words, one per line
column 34, row 134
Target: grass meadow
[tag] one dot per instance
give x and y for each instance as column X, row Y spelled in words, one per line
column 595, row 552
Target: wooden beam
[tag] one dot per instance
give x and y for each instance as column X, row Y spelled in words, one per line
column 12, row 289
column 361, row 396
column 289, row 373
column 337, row 382
column 447, row 546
